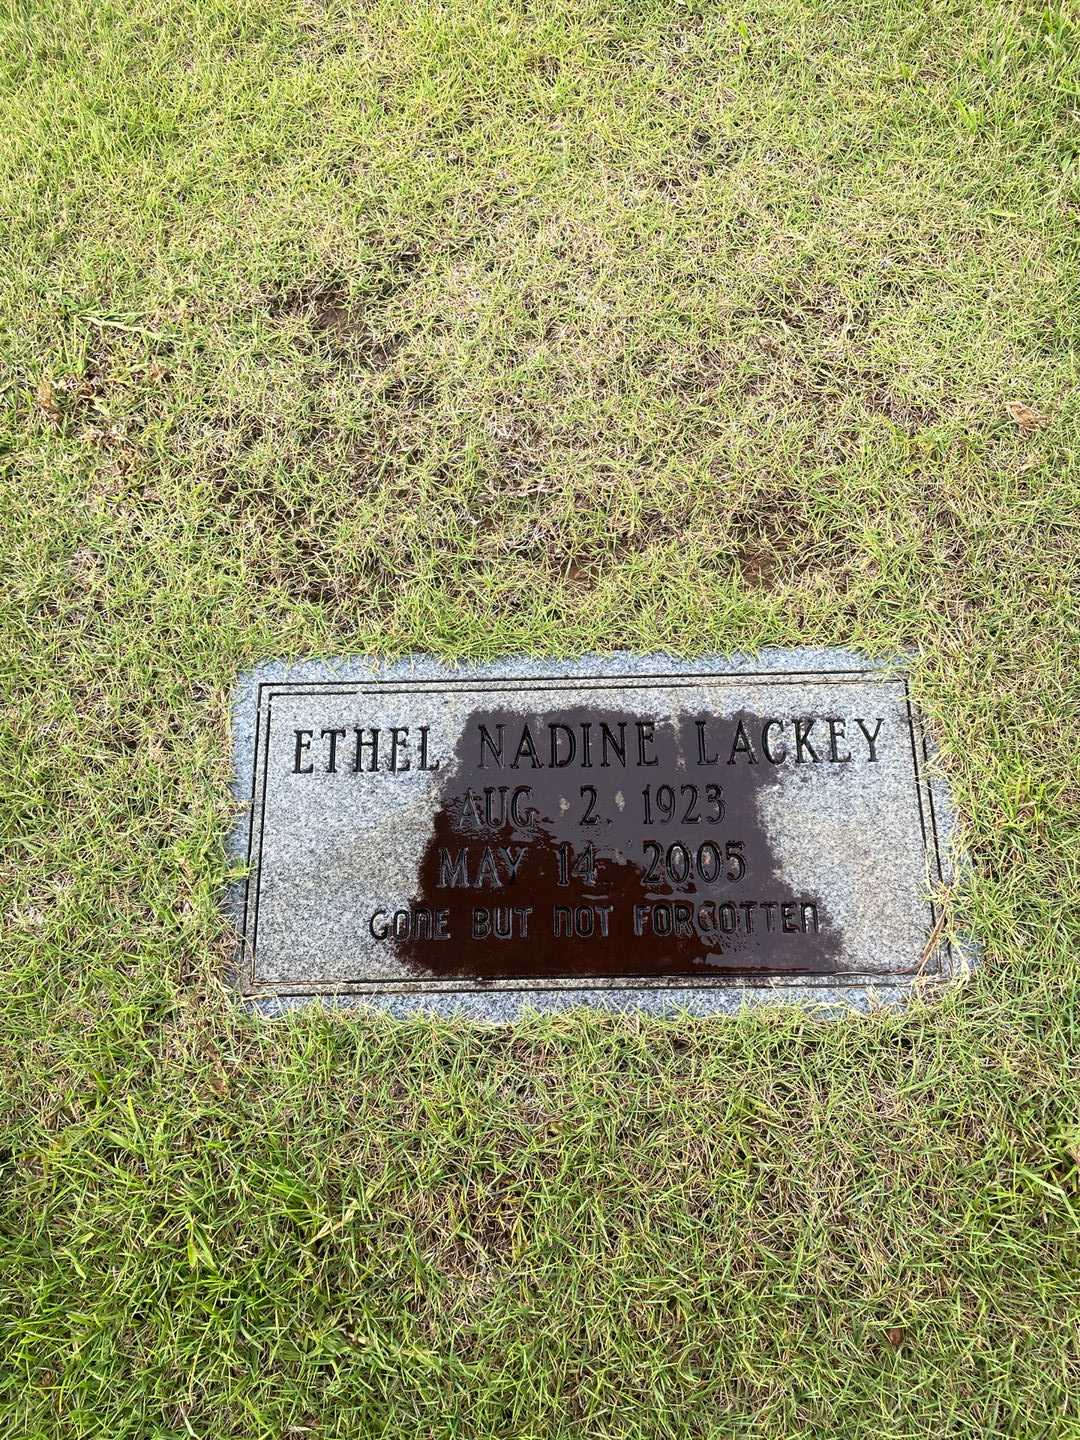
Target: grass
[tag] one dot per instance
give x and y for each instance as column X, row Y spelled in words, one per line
column 483, row 329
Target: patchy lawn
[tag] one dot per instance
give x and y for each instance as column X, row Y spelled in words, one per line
column 485, row 329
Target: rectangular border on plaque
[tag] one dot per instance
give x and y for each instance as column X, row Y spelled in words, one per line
column 264, row 691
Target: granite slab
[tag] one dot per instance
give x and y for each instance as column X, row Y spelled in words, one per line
column 623, row 831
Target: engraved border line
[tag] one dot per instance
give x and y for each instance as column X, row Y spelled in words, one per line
column 557, row 685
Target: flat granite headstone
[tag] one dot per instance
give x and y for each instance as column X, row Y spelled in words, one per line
column 628, row 831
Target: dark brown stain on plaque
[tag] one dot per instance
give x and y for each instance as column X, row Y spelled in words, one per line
column 599, row 843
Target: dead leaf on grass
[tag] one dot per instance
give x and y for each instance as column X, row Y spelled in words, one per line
column 895, row 1336
column 1026, row 418
column 46, row 399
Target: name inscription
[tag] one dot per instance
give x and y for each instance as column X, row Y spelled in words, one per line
column 562, row 745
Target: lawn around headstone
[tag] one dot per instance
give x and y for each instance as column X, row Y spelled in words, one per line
column 490, row 334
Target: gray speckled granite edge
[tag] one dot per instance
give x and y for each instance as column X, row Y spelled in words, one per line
column 500, row 1007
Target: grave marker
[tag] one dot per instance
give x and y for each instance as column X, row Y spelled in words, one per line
column 629, row 831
